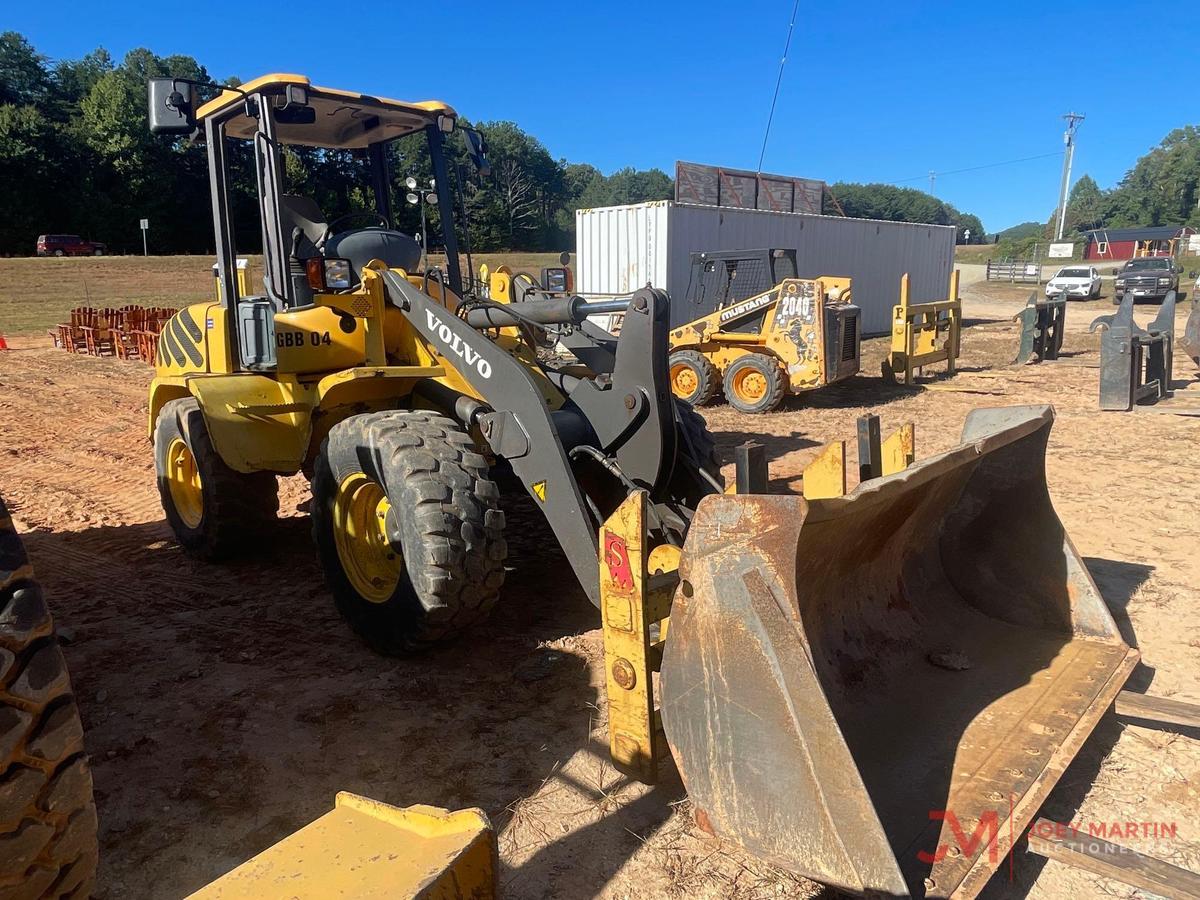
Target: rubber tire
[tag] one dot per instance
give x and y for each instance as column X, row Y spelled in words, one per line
column 697, row 441
column 48, row 843
column 97, row 253
column 697, row 446
column 58, row 253
column 239, row 507
column 708, row 379
column 770, row 369
column 445, row 522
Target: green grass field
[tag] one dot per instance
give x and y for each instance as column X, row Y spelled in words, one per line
column 36, row 293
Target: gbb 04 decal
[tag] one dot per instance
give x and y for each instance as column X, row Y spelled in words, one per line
column 297, row 338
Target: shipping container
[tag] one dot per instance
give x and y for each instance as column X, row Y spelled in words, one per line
column 622, row 248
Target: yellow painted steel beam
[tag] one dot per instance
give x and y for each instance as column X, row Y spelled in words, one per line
column 825, row 476
column 899, row 449
column 631, row 602
column 366, row 849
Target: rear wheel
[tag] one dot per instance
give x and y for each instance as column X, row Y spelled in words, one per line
column 755, row 383
column 48, row 844
column 97, row 252
column 58, row 253
column 694, row 379
column 213, row 510
column 408, row 528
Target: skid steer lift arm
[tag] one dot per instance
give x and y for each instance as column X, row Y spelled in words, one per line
column 629, row 419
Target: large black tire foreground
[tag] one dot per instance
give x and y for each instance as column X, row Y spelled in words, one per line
column 441, row 525
column 235, row 508
column 760, row 371
column 48, row 844
column 694, row 378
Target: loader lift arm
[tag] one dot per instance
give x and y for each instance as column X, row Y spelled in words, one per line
column 628, row 418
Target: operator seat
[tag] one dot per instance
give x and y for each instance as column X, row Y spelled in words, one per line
column 304, row 226
column 362, row 245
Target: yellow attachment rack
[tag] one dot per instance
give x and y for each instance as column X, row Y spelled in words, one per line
column 924, row 333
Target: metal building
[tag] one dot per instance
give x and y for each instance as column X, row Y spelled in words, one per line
column 622, row 248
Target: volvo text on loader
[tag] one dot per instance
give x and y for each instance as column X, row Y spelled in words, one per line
column 833, row 672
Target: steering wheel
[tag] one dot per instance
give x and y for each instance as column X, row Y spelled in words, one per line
column 360, row 214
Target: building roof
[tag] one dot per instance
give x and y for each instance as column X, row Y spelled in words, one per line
column 1154, row 233
column 345, row 119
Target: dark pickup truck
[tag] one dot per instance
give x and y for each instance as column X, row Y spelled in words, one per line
column 1149, row 278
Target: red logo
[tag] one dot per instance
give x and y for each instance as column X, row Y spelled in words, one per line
column 989, row 826
column 616, row 557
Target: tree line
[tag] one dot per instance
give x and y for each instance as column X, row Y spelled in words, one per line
column 77, row 157
column 1162, row 188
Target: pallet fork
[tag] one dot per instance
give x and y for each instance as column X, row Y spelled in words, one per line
column 1043, row 323
column 924, row 333
column 1135, row 363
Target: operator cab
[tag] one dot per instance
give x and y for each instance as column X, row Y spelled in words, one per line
column 309, row 237
column 304, row 253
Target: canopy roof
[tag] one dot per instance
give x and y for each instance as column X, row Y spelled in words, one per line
column 345, row 119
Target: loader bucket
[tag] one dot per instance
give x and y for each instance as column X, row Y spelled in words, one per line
column 878, row 691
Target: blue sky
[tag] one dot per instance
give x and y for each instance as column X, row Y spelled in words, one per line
column 871, row 92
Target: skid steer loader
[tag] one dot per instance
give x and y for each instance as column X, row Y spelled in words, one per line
column 764, row 334
column 835, row 673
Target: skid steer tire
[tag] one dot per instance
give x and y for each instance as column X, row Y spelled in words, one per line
column 435, row 563
column 48, row 844
column 226, row 511
column 755, row 383
column 694, row 379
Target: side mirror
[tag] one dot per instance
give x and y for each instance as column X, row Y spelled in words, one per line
column 1115, row 272
column 172, row 106
column 477, row 149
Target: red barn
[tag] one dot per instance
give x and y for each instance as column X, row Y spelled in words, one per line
column 1126, row 243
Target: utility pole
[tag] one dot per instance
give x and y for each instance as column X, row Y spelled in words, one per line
column 1073, row 120
column 932, row 181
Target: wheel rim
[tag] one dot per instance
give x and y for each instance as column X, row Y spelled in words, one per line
column 183, row 481
column 684, row 380
column 750, row 385
column 370, row 562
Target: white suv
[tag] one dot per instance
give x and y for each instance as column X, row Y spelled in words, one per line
column 1075, row 281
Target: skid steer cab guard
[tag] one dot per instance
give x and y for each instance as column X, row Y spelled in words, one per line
column 877, row 691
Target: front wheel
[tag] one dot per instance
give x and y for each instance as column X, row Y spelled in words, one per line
column 408, row 528
column 755, row 383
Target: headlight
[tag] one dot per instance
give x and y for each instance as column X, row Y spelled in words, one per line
column 1120, row 282
column 1164, row 281
column 328, row 274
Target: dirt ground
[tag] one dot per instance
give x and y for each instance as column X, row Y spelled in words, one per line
column 226, row 705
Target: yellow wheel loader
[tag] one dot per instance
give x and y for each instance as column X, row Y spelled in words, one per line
column 765, row 332
column 397, row 391
column 846, row 683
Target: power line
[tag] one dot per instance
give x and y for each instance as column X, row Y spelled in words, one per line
column 1007, row 162
column 778, row 81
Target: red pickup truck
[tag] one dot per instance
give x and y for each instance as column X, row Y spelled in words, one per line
column 68, row 245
